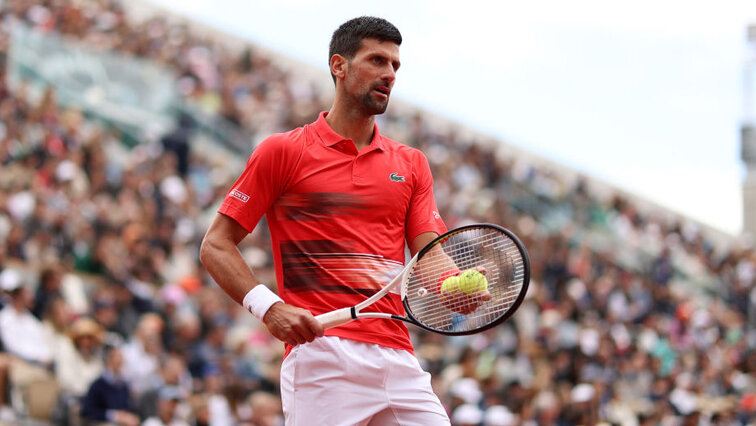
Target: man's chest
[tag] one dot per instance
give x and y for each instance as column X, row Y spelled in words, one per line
column 331, row 185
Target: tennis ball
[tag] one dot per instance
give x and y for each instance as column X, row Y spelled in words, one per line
column 472, row 281
column 465, row 292
column 450, row 285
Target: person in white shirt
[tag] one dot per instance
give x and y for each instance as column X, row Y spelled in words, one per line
column 22, row 334
column 26, row 357
column 79, row 362
column 141, row 355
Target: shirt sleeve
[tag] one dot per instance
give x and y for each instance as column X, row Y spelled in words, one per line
column 423, row 215
column 264, row 179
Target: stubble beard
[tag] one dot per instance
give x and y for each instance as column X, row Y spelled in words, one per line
column 371, row 106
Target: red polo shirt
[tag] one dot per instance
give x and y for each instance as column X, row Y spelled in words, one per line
column 338, row 220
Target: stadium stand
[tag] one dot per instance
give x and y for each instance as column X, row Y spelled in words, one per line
column 636, row 315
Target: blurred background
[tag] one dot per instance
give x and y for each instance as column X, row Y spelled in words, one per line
column 618, row 145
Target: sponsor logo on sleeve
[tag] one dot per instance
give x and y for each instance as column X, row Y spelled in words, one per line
column 239, row 195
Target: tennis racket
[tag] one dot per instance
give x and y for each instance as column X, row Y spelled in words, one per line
column 490, row 249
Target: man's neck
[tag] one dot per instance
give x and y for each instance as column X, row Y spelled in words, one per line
column 19, row 307
column 351, row 124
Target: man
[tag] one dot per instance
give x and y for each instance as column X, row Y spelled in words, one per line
column 109, row 397
column 168, row 400
column 21, row 332
column 340, row 200
column 26, row 362
column 141, row 355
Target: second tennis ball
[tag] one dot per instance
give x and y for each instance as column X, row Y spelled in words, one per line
column 472, row 281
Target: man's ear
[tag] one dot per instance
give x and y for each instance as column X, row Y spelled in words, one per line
column 338, row 66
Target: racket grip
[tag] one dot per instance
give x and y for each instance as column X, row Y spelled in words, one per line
column 335, row 318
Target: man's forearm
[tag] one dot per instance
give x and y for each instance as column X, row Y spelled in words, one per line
column 225, row 264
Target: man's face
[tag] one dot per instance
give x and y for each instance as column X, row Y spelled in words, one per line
column 370, row 75
column 115, row 361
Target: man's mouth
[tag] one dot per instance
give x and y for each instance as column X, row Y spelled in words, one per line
column 383, row 90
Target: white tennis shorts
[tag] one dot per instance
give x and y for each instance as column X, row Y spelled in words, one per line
column 334, row 381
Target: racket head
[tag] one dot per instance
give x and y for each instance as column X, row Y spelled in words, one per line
column 507, row 269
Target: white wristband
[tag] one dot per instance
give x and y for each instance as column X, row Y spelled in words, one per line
column 259, row 300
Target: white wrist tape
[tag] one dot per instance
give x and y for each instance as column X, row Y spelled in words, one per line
column 259, row 300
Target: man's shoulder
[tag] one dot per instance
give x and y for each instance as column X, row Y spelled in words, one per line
column 291, row 142
column 402, row 148
column 404, row 151
column 290, row 138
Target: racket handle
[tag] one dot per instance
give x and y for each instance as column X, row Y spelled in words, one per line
column 334, row 318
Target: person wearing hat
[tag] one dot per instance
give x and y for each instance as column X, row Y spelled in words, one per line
column 79, row 363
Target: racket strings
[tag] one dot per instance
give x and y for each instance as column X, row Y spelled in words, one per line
column 488, row 249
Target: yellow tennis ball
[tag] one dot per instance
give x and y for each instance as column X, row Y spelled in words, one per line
column 472, row 281
column 450, row 285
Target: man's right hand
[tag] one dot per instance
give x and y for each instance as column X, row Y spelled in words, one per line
column 291, row 324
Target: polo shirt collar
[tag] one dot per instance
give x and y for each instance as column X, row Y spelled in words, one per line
column 331, row 138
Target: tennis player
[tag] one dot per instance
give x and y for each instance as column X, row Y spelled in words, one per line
column 340, row 200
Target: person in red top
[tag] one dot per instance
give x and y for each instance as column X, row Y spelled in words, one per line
column 340, row 200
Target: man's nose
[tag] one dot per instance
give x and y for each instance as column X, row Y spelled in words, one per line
column 389, row 75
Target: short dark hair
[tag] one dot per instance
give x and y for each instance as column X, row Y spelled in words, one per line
column 347, row 39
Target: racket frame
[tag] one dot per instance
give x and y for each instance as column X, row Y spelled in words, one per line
column 348, row 314
column 509, row 312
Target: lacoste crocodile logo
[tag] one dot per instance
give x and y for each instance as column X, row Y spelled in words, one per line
column 396, row 178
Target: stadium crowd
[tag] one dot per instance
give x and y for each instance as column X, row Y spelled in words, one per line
column 108, row 316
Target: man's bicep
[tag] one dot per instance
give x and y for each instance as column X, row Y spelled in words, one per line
column 421, row 241
column 422, row 215
column 226, row 228
column 263, row 181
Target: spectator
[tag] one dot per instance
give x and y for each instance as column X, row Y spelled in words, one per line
column 79, row 364
column 218, row 407
column 168, row 400
column 56, row 321
column 266, row 409
column 499, row 415
column 21, row 332
column 142, row 354
column 27, row 363
column 109, row 397
column 210, row 351
column 48, row 288
column 173, row 374
column 177, row 143
column 467, row 415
